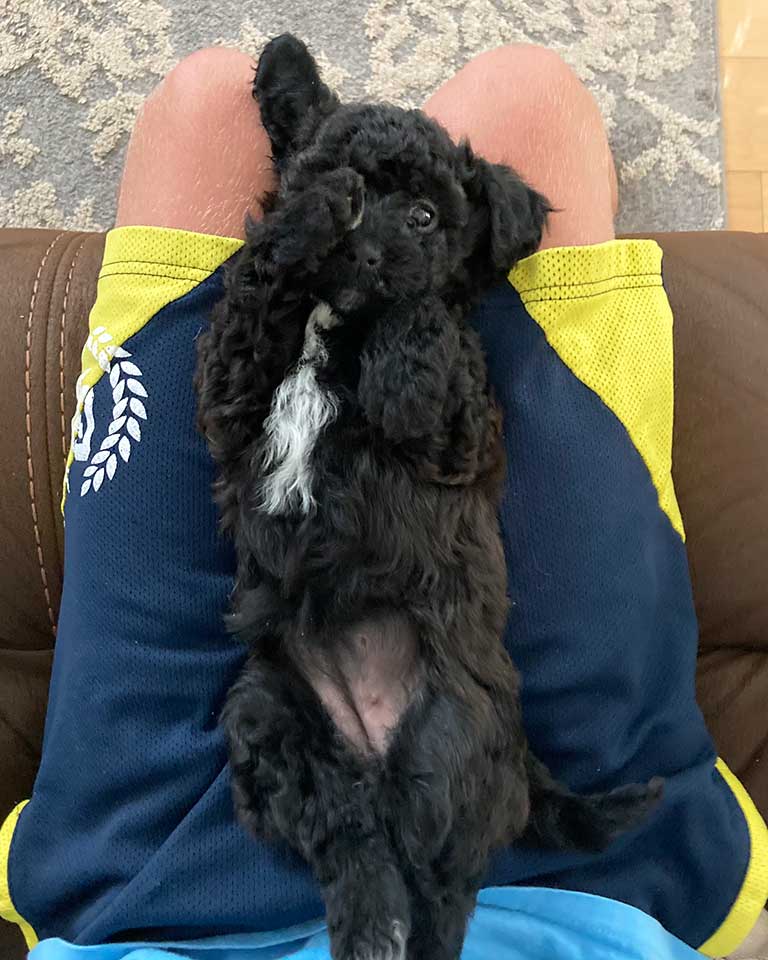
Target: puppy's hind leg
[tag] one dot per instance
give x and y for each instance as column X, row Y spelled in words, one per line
column 367, row 902
column 450, row 782
column 295, row 778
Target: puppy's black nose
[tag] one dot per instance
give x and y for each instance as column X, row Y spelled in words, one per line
column 366, row 255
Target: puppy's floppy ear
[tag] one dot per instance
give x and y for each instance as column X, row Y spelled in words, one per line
column 291, row 95
column 509, row 216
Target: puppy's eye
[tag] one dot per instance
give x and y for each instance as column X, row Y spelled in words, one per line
column 422, row 217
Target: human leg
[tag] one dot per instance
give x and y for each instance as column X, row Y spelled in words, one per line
column 198, row 158
column 523, row 105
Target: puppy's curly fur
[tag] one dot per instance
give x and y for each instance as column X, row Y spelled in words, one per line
column 376, row 726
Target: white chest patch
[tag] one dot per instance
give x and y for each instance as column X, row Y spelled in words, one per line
column 301, row 409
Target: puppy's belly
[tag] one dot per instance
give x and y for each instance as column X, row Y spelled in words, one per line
column 367, row 681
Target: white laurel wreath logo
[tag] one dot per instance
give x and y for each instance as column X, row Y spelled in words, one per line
column 128, row 394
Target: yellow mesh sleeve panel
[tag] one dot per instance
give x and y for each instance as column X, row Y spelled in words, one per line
column 751, row 900
column 143, row 270
column 604, row 311
column 7, row 909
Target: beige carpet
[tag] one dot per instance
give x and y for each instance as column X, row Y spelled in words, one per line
column 73, row 73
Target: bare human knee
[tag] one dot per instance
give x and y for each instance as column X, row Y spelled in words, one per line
column 522, row 105
column 198, row 158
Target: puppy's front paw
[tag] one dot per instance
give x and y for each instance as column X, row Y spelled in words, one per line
column 404, row 415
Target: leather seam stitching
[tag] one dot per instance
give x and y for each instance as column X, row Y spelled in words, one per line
column 28, row 430
column 61, row 347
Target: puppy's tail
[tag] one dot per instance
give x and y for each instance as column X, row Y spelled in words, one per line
column 563, row 820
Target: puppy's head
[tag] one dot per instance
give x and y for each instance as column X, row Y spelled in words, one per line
column 430, row 216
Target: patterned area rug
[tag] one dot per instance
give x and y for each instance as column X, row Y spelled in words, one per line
column 72, row 76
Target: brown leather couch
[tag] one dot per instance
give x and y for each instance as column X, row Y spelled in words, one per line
column 718, row 286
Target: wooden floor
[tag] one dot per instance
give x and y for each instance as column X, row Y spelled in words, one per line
column 744, row 79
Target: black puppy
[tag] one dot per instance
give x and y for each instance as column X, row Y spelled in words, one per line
column 377, row 725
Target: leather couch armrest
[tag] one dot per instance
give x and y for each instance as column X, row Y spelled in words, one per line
column 47, row 286
column 718, row 288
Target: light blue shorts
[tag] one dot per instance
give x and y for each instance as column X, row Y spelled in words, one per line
column 510, row 923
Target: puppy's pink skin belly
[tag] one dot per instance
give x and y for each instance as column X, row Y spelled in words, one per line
column 366, row 721
column 367, row 684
